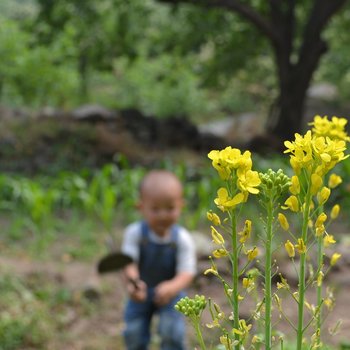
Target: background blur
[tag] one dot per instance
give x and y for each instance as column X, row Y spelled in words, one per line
column 94, row 93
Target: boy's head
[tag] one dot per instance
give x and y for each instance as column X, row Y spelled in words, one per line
column 161, row 200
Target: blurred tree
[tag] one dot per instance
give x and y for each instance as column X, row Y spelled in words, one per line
column 294, row 30
column 268, row 49
column 102, row 30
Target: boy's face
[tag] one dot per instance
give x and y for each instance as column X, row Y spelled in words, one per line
column 161, row 209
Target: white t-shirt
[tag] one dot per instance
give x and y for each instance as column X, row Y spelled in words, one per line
column 186, row 252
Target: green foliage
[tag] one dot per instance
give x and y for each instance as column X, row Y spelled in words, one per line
column 162, row 86
column 24, row 320
column 41, row 209
column 30, row 75
column 335, row 67
column 27, row 307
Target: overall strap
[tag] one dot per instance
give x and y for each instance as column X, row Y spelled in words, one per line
column 145, row 233
column 157, row 260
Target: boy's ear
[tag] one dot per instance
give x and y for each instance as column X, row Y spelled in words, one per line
column 138, row 205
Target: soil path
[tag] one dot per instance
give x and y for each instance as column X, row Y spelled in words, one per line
column 102, row 328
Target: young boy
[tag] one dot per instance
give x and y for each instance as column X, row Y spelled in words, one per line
column 164, row 264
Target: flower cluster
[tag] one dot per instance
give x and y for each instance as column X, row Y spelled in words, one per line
column 303, row 196
column 334, row 129
column 235, row 167
column 312, row 157
column 191, row 307
column 273, row 184
column 315, row 154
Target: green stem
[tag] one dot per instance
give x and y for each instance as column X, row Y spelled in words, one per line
column 302, row 269
column 235, row 276
column 319, row 289
column 199, row 334
column 268, row 293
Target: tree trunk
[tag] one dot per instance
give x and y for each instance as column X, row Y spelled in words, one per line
column 286, row 117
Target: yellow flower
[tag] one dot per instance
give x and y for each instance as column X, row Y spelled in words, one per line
column 224, row 202
column 319, row 279
column 295, row 187
column 321, row 219
column 301, row 152
column 283, row 284
column 290, row 249
column 334, row 259
column 334, row 181
column 211, row 270
column 323, row 195
column 280, row 285
column 320, row 230
column 248, row 181
column 243, row 330
column 214, row 218
column 301, row 246
column 283, row 221
column 316, row 153
column 220, row 253
column 214, row 324
column 319, row 224
column 329, row 303
column 219, row 162
column 217, row 237
column 246, row 231
column 247, row 282
column 292, row 204
column 256, row 339
column 316, row 183
column 227, row 342
column 252, row 253
column 328, row 240
column 334, row 129
column 335, row 211
column 229, row 159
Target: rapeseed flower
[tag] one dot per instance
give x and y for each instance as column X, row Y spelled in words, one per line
column 283, row 221
column 217, row 237
column 214, row 218
column 248, row 181
column 292, row 204
column 335, row 211
column 301, row 246
column 289, row 248
column 245, row 234
column 328, row 240
column 334, row 259
column 225, row 202
column 334, row 129
column 295, row 187
column 334, row 180
column 252, row 253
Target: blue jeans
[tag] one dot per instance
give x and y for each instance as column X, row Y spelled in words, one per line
column 138, row 317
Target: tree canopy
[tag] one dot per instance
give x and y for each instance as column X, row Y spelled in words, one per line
column 176, row 55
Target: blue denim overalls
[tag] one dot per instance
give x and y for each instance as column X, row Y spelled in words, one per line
column 157, row 263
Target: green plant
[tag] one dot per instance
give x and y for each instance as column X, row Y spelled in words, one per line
column 312, row 158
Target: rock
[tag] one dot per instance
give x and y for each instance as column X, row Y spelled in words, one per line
column 92, row 113
column 324, row 91
column 236, row 130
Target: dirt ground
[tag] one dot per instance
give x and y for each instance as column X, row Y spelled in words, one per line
column 101, row 329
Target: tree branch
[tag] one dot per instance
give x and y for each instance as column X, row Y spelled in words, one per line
column 321, row 13
column 246, row 11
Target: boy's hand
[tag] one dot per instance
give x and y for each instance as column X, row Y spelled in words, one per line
column 137, row 290
column 164, row 292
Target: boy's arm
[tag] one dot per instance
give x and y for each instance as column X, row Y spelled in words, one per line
column 167, row 290
column 136, row 288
